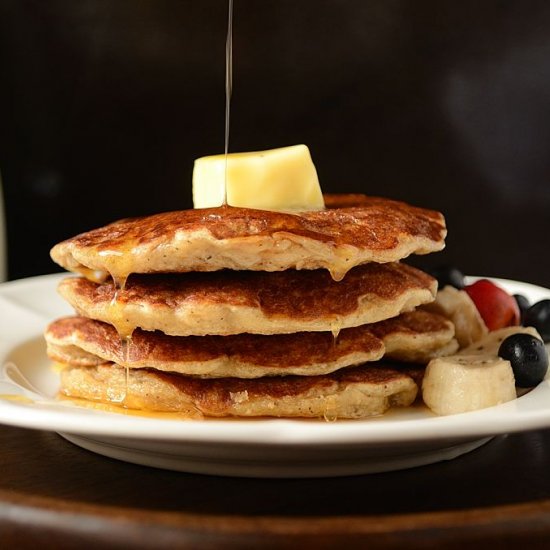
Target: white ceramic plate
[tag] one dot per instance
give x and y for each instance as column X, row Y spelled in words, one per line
column 256, row 448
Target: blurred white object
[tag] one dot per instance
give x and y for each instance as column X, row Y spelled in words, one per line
column 3, row 254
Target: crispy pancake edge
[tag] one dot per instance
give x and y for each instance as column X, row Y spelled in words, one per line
column 337, row 239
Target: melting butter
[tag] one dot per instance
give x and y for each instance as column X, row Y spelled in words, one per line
column 277, row 179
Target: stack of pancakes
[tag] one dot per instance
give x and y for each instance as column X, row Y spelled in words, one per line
column 240, row 312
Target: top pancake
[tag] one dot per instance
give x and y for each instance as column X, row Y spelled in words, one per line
column 354, row 229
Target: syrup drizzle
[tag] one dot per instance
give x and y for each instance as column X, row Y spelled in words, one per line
column 335, row 328
column 124, row 332
column 228, row 89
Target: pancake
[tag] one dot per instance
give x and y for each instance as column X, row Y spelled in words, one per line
column 372, row 230
column 232, row 302
column 349, row 393
column 416, row 336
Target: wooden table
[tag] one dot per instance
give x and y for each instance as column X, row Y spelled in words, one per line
column 56, row 495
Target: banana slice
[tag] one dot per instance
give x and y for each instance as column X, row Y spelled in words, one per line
column 459, row 308
column 474, row 378
column 462, row 383
column 489, row 345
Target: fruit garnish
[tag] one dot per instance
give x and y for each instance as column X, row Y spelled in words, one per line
column 523, row 303
column 538, row 316
column 459, row 308
column 461, row 383
column 497, row 308
column 528, row 357
column 448, row 276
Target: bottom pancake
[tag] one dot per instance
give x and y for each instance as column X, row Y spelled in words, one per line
column 357, row 392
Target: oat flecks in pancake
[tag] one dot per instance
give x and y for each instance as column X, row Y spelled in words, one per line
column 243, row 355
column 231, row 302
column 372, row 230
column 416, row 336
column 350, row 393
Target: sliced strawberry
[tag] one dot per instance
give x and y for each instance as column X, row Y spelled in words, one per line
column 497, row 308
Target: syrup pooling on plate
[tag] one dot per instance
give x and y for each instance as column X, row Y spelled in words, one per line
column 121, row 409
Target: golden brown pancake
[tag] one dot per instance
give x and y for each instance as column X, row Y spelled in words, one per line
column 416, row 336
column 233, row 302
column 349, row 393
column 359, row 229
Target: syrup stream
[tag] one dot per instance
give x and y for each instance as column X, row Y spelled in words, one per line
column 228, row 89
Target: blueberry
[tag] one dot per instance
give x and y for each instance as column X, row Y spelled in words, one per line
column 538, row 316
column 528, row 357
column 523, row 303
column 448, row 275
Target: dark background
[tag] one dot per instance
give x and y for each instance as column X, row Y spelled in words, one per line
column 104, row 104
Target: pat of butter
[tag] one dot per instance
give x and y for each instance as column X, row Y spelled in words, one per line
column 277, row 179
